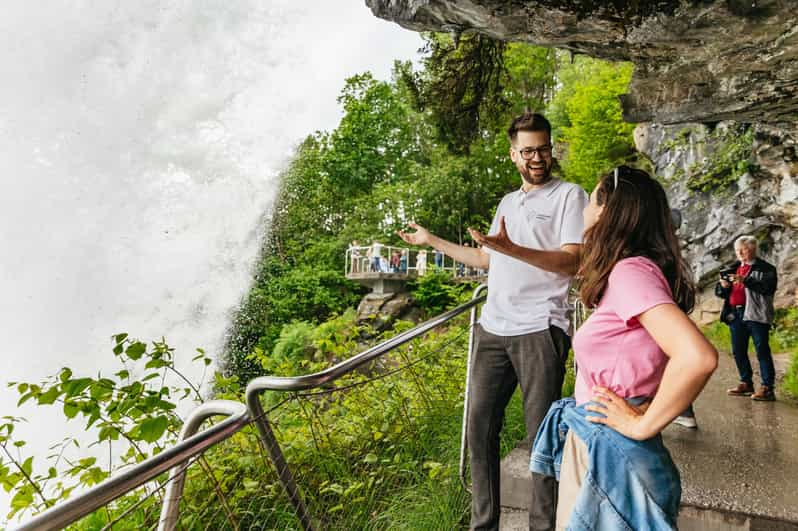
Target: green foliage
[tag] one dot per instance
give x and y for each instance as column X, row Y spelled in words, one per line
column 730, row 158
column 302, row 347
column 586, row 114
column 461, row 87
column 569, row 381
column 436, row 292
column 785, row 330
column 530, row 77
column 374, row 141
column 718, row 334
column 283, row 294
column 790, row 383
column 136, row 416
column 785, row 339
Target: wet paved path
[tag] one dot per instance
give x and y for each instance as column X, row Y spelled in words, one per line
column 739, row 468
column 744, row 455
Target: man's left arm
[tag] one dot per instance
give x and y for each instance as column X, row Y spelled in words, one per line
column 765, row 283
column 565, row 260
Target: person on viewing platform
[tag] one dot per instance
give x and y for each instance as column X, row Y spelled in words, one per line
column 376, row 249
column 403, row 261
column 438, row 259
column 521, row 336
column 641, row 362
column 354, row 257
column 747, row 288
column 395, row 257
column 461, row 268
column 421, row 263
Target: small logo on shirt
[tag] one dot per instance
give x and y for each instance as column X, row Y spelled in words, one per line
column 538, row 217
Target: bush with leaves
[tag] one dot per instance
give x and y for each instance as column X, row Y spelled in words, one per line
column 436, row 292
column 134, row 417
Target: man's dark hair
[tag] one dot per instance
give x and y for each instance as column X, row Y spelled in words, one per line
column 529, row 121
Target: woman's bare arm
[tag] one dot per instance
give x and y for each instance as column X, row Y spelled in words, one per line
column 692, row 360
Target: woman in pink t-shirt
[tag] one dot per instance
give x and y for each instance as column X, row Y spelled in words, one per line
column 638, row 345
column 639, row 342
column 640, row 360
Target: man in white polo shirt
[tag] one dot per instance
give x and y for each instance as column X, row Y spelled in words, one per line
column 521, row 337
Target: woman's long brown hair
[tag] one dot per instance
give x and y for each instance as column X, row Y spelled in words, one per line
column 636, row 221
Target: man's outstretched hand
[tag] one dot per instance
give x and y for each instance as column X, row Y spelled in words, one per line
column 420, row 237
column 500, row 242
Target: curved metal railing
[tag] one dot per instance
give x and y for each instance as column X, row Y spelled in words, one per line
column 174, row 458
column 299, row 383
column 191, row 444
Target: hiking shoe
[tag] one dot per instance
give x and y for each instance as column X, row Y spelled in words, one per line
column 765, row 394
column 742, row 389
column 686, row 421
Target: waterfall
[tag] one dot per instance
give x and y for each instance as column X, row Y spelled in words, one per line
column 140, row 145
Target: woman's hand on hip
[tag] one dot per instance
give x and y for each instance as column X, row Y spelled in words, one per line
column 618, row 413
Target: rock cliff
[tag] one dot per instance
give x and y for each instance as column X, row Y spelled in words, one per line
column 695, row 60
column 761, row 199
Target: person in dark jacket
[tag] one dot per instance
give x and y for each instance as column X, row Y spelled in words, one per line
column 747, row 287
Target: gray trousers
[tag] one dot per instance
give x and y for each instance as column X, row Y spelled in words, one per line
column 536, row 361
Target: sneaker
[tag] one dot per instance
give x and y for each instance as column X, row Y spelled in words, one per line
column 742, row 389
column 687, row 422
column 765, row 394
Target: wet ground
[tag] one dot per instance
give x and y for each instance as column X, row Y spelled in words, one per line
column 739, row 468
column 744, row 455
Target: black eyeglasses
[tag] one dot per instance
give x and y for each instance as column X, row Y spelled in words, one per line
column 528, row 153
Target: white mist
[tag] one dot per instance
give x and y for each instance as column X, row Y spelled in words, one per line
column 139, row 148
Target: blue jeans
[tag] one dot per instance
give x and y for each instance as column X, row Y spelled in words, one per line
column 741, row 331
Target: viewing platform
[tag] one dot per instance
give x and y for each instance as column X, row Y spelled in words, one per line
column 387, row 269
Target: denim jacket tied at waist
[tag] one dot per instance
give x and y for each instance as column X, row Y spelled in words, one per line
column 630, row 485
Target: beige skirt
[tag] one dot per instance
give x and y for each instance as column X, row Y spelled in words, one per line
column 572, row 474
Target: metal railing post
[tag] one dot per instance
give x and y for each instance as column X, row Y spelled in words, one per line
column 464, row 433
column 276, row 454
column 170, row 511
column 310, row 381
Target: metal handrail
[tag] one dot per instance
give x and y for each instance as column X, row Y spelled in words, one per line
column 72, row 510
column 356, row 263
column 464, row 432
column 176, row 457
column 170, row 511
column 300, row 383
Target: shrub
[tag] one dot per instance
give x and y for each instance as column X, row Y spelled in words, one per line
column 436, row 292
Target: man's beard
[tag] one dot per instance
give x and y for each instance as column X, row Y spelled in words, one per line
column 536, row 179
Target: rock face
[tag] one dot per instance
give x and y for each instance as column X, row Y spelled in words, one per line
column 381, row 310
column 695, row 60
column 763, row 201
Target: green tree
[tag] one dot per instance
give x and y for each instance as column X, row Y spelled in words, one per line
column 586, row 114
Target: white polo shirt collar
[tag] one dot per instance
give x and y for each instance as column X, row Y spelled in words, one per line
column 520, row 197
